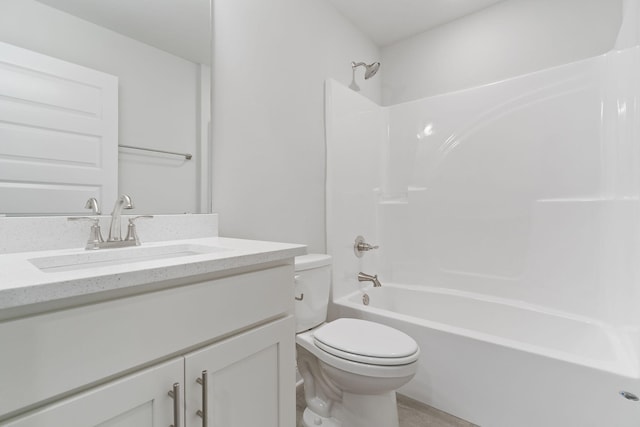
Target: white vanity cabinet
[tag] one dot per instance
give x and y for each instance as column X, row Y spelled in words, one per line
column 227, row 338
column 239, row 378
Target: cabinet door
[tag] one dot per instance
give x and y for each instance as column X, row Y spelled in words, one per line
column 137, row 400
column 245, row 380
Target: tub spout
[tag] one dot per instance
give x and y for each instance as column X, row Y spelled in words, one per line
column 364, row 277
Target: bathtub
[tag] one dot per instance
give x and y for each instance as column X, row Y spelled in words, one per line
column 503, row 363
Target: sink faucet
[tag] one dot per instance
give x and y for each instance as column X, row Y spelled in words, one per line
column 364, row 277
column 115, row 239
column 123, row 202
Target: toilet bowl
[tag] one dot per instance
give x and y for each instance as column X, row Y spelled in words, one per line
column 350, row 367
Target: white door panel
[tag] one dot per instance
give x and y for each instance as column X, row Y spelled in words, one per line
column 58, row 134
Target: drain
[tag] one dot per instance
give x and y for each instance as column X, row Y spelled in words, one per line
column 629, row 396
column 365, row 300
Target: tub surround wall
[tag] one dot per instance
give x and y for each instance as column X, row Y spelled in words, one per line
column 356, row 134
column 519, row 189
column 526, row 189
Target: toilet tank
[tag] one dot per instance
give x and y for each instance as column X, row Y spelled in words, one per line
column 312, row 286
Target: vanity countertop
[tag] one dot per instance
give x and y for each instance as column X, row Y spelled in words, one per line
column 43, row 276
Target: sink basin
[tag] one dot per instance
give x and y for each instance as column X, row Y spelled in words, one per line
column 107, row 257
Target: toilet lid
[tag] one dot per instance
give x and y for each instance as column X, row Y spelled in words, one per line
column 366, row 342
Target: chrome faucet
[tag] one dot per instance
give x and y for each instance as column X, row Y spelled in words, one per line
column 364, row 277
column 123, row 202
column 115, row 239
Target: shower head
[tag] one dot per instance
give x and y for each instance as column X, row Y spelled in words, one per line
column 370, row 70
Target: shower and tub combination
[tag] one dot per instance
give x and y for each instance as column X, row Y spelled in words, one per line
column 508, row 223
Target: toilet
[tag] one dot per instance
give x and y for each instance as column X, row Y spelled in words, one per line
column 351, row 367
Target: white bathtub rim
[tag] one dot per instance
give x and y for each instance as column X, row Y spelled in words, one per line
column 490, row 298
column 625, row 364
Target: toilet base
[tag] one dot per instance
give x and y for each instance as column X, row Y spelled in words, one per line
column 358, row 411
column 311, row 419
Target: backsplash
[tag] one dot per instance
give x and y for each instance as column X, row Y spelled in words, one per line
column 22, row 234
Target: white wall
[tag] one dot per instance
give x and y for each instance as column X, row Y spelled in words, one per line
column 158, row 99
column 270, row 63
column 512, row 38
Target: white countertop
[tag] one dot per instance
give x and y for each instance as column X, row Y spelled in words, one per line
column 22, row 283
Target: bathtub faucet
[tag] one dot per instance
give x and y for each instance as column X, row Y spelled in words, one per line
column 364, row 277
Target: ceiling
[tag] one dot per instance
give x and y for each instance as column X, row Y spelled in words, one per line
column 180, row 27
column 388, row 21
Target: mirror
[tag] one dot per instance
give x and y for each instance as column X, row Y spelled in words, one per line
column 160, row 52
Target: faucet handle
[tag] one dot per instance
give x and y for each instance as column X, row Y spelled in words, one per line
column 140, row 216
column 132, row 234
column 360, row 246
column 95, row 235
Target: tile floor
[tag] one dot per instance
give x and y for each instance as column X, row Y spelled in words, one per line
column 410, row 412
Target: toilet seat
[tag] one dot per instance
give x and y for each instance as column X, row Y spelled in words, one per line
column 366, row 342
column 306, row 341
column 381, row 361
